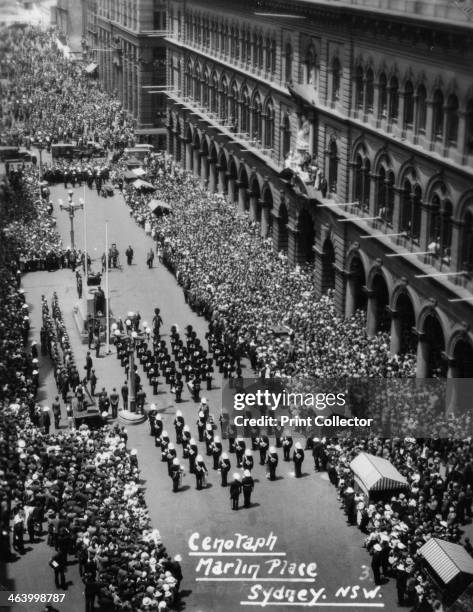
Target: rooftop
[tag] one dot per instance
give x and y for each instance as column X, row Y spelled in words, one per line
column 458, row 12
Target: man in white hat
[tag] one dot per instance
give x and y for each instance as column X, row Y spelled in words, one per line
column 248, row 484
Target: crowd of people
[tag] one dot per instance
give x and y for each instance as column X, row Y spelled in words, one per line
column 85, row 484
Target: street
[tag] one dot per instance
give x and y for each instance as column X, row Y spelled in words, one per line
column 303, row 514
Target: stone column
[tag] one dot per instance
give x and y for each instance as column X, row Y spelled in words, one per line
column 371, row 313
column 455, row 248
column 423, row 348
column 242, row 195
column 396, row 332
column 350, row 293
column 293, row 245
column 253, row 205
column 204, row 169
column 221, row 187
column 231, row 188
column 188, row 158
column 212, row 175
column 196, row 161
column 265, row 219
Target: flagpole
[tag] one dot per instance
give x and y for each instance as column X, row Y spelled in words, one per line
column 107, row 310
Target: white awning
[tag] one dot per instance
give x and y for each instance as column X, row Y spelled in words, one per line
column 374, row 473
column 90, row 68
column 447, row 559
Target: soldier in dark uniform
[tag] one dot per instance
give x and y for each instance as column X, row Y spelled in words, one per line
column 286, row 446
column 235, row 491
column 114, row 401
column 179, row 426
column 192, row 455
column 208, row 374
column 298, row 458
column 224, row 466
column 208, row 438
column 179, row 385
column 158, row 428
column 216, row 450
column 124, row 391
column 164, row 445
column 171, row 454
column 152, row 412
column 201, row 425
column 278, row 431
column 248, row 461
column 263, row 445
column 186, row 438
column 240, row 447
column 200, row 471
column 248, row 484
column 272, row 460
column 129, row 255
column 175, row 472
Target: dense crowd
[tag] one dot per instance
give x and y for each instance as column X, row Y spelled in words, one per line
column 232, row 276
column 85, row 483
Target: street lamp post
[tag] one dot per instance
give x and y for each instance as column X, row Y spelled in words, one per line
column 132, row 337
column 70, row 207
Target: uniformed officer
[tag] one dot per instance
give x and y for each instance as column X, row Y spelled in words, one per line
column 208, row 438
column 175, row 473
column 164, row 445
column 286, row 447
column 192, row 454
column 158, row 429
column 171, row 454
column 201, row 425
column 248, row 484
column 200, row 471
column 152, row 412
column 248, row 461
column 114, row 401
column 240, row 447
column 186, row 437
column 272, row 460
column 263, row 445
column 235, row 491
column 216, row 450
column 179, row 426
column 298, row 458
column 224, row 466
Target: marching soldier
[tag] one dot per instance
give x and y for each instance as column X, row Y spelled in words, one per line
column 248, row 461
column 201, row 426
column 263, row 445
column 171, row 454
column 151, row 418
column 192, row 454
column 209, row 437
column 224, row 466
column 164, row 445
column 248, row 484
column 240, row 447
column 272, row 460
column 286, row 446
column 200, row 471
column 176, row 473
column 216, row 450
column 298, row 458
column 158, row 429
column 178, row 426
column 235, row 491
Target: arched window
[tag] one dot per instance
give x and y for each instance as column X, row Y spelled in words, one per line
column 223, row 100
column 286, row 136
column 434, row 223
column 197, row 84
column 365, row 202
column 288, row 63
column 359, row 93
column 257, row 118
column 206, row 89
column 411, row 208
column 421, row 109
column 452, row 120
column 255, row 48
column 310, row 67
column 234, row 107
column 408, row 105
column 390, row 197
column 188, row 80
column 333, row 166
column 269, row 125
column 369, row 97
column 273, row 56
column 226, row 40
column 406, row 205
column 358, row 176
column 437, row 114
column 446, row 233
column 383, row 95
column 381, row 209
column 214, row 94
column 469, row 127
column 336, row 79
column 232, row 42
column 267, row 47
column 248, row 47
column 260, row 52
column 467, row 241
column 245, row 111
column 237, row 43
column 393, row 99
